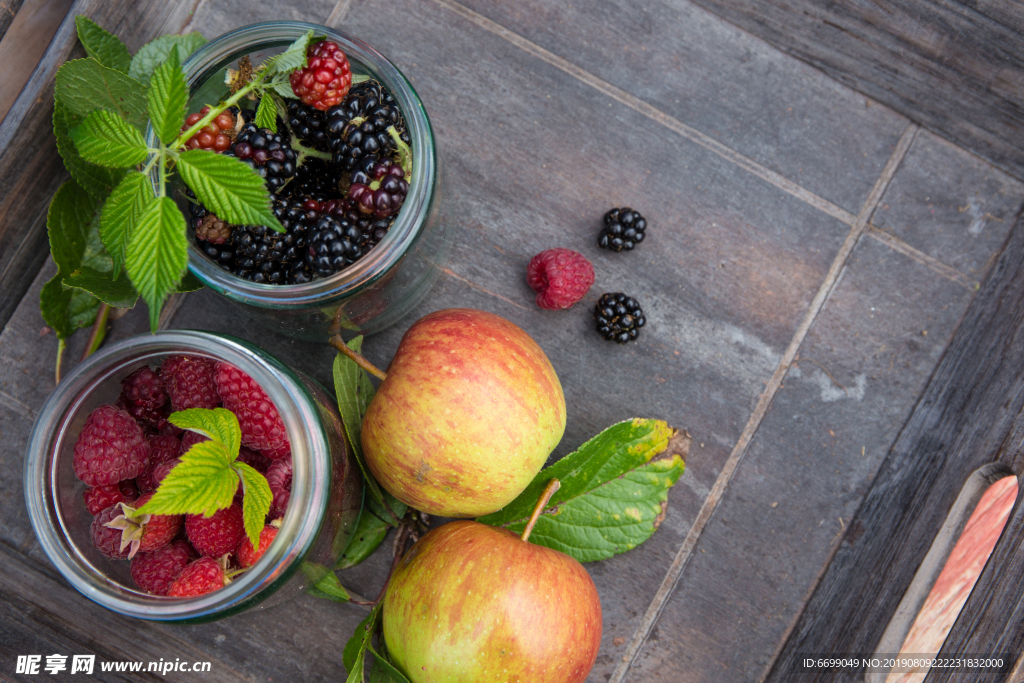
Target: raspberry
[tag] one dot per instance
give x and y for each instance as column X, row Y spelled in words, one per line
column 155, row 572
column 144, row 533
column 619, row 317
column 247, row 555
column 99, row 498
column 190, row 439
column 161, row 470
column 161, row 449
column 262, row 428
column 279, row 476
column 189, row 382
column 561, row 277
column 623, row 229
column 326, row 79
column 257, row 461
column 215, row 136
column 205, row 575
column 144, row 389
column 111, row 447
column 107, row 540
column 216, row 535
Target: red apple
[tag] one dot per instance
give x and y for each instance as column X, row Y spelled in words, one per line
column 470, row 410
column 475, row 604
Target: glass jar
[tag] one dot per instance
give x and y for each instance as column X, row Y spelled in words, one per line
column 323, row 510
column 391, row 278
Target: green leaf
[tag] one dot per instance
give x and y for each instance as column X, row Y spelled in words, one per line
column 66, row 310
column 85, row 85
column 282, row 88
column 189, row 283
column 105, row 48
column 382, row 670
column 294, row 57
column 153, row 54
column 266, row 113
column 117, row 292
column 355, row 649
column 202, row 483
column 228, row 187
column 256, row 500
column 82, row 309
column 68, row 223
column 168, row 95
column 121, row 213
column 157, row 254
column 106, row 139
column 219, row 424
column 96, row 180
column 612, row 494
column 325, row 583
column 366, row 538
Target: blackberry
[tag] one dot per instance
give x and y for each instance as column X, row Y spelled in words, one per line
column 358, row 127
column 373, row 229
column 623, row 229
column 619, row 317
column 334, row 244
column 378, row 188
column 269, row 153
column 265, row 256
column 316, row 179
column 212, row 229
column 309, row 125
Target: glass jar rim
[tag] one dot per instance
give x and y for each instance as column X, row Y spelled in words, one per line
column 311, row 475
column 412, row 218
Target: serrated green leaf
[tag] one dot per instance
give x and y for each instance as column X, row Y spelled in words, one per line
column 157, row 254
column 168, row 95
column 106, row 139
column 355, row 649
column 202, row 483
column 85, row 85
column 121, row 213
column 256, row 500
column 105, row 48
column 96, row 180
column 67, row 224
column 294, row 57
column 282, row 88
column 367, row 537
column 117, row 292
column 189, row 283
column 324, row 583
column 612, row 493
column 228, row 187
column 266, row 113
column 95, row 255
column 382, row 670
column 219, row 424
column 82, row 309
column 153, row 54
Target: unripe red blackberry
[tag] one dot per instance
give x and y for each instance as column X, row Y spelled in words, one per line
column 215, row 136
column 327, row 77
column 379, row 189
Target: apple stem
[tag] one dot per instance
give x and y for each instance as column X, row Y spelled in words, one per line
column 549, row 491
column 339, row 343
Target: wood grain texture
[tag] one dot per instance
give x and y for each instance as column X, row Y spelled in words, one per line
column 8, row 10
column 955, row 67
column 961, row 423
column 30, row 168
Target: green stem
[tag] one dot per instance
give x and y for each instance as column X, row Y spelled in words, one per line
column 217, row 110
column 404, row 153
column 301, row 149
column 99, row 331
column 60, row 356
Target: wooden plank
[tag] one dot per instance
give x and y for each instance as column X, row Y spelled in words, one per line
column 942, row 63
column 8, row 10
column 960, row 424
column 30, row 168
column 24, row 43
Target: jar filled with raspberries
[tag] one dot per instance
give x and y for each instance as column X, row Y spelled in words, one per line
column 110, row 451
column 352, row 172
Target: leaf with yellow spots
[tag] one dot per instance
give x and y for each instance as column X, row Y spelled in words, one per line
column 613, row 494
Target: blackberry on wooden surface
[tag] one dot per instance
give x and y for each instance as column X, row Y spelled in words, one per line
column 619, row 317
column 624, row 228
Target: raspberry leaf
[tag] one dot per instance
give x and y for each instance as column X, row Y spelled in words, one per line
column 65, row 310
column 228, row 187
column 157, row 253
column 613, row 495
column 85, row 85
column 153, row 54
column 292, row 58
column 218, row 424
column 167, row 95
column 68, row 222
column 105, row 48
column 201, row 484
column 121, row 213
column 96, row 180
column 106, row 139
column 266, row 113
column 116, row 291
column 282, row 88
column 256, row 500
column 189, row 283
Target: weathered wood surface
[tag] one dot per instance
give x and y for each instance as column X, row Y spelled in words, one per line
column 23, row 43
column 956, row 67
column 8, row 9
column 960, row 424
column 540, row 138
